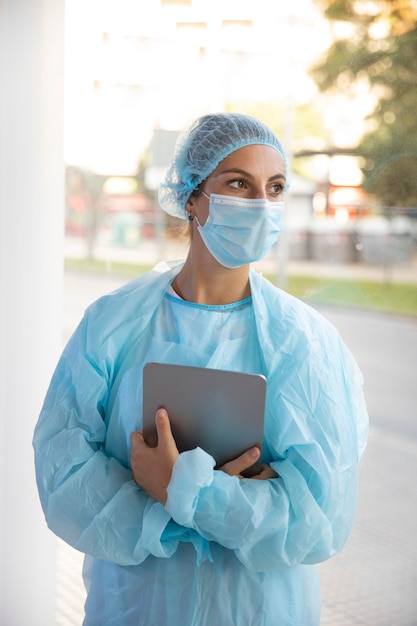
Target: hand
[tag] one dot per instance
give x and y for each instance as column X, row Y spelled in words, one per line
column 265, row 473
column 244, row 461
column 152, row 467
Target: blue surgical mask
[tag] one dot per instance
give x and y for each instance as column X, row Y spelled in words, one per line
column 240, row 230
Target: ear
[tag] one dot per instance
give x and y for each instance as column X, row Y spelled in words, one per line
column 191, row 204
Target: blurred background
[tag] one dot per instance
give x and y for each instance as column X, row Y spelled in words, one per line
column 95, row 93
column 335, row 80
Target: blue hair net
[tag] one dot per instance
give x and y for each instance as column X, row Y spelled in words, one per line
column 202, row 146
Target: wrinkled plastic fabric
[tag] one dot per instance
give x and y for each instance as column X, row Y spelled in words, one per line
column 223, row 550
column 202, row 146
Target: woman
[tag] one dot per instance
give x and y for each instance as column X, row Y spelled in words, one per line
column 169, row 539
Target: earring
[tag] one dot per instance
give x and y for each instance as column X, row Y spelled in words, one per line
column 190, row 217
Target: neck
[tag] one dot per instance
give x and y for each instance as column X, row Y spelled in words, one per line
column 204, row 281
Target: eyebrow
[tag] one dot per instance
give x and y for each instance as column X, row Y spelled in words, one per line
column 237, row 170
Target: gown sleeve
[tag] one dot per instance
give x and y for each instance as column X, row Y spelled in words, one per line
column 89, row 498
column 316, row 423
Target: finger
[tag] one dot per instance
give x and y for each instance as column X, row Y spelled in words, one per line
column 267, row 470
column 265, row 473
column 242, row 462
column 163, row 427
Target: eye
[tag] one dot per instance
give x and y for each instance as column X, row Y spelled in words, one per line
column 237, row 183
column 277, row 189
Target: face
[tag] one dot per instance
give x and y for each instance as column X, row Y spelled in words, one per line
column 255, row 171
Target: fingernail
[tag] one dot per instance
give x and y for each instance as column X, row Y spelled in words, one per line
column 162, row 413
column 254, row 452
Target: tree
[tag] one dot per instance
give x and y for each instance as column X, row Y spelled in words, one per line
column 381, row 50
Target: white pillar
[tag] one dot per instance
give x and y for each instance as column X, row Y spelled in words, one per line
column 31, row 272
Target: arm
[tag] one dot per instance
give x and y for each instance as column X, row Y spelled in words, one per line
column 262, row 516
column 89, row 498
column 304, row 516
column 152, row 467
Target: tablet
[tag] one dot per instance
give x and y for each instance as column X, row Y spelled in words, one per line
column 220, row 411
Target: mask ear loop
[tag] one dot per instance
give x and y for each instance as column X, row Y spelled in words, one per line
column 192, row 217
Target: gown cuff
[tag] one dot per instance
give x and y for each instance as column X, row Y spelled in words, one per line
column 155, row 522
column 193, row 470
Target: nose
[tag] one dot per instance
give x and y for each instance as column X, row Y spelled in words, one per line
column 260, row 193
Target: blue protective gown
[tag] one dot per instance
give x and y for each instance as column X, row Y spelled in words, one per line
column 222, row 550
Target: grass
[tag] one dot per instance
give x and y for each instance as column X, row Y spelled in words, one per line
column 98, row 266
column 397, row 298
column 394, row 298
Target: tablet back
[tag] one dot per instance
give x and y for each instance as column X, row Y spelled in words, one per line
column 220, row 411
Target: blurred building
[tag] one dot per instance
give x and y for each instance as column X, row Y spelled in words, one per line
column 137, row 71
column 133, row 66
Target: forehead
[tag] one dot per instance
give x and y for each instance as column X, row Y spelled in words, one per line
column 256, row 159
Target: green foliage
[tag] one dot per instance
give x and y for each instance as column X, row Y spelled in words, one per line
column 389, row 64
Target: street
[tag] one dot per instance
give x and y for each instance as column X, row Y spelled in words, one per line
column 373, row 581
